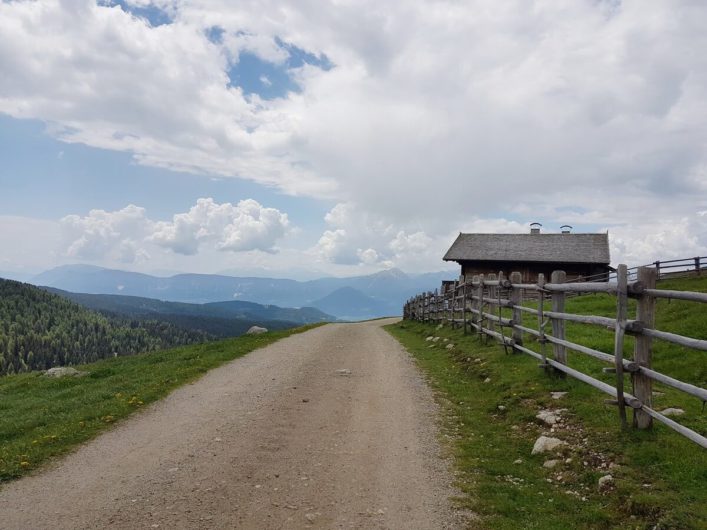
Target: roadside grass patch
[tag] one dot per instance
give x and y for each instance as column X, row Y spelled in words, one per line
column 42, row 417
column 490, row 401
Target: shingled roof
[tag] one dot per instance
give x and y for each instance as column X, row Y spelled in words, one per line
column 556, row 248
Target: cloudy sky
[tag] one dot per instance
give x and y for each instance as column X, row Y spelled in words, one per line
column 301, row 138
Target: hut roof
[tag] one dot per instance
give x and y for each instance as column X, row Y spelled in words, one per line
column 556, row 248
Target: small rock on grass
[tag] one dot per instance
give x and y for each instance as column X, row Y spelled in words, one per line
column 605, row 482
column 546, row 443
column 672, row 411
column 550, row 417
column 550, row 463
column 558, row 395
column 429, row 338
column 450, row 346
column 64, row 371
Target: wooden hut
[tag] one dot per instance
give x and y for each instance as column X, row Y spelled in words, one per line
column 579, row 255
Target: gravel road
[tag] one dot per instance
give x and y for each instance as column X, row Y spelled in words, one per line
column 276, row 439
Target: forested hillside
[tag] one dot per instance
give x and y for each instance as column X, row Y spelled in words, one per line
column 39, row 330
column 223, row 319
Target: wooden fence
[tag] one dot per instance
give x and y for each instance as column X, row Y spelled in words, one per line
column 672, row 268
column 485, row 303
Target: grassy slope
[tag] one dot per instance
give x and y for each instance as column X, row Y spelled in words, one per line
column 43, row 417
column 660, row 476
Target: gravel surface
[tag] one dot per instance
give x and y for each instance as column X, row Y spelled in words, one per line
column 332, row 428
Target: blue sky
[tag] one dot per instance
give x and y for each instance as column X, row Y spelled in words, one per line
column 289, row 139
column 49, row 179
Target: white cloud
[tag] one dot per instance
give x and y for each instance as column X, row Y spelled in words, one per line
column 368, row 256
column 332, row 247
column 126, row 235
column 678, row 238
column 245, row 226
column 436, row 117
column 101, row 234
column 253, row 227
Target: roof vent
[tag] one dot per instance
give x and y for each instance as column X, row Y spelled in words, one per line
column 566, row 229
column 535, row 228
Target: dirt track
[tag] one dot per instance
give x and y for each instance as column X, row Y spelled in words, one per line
column 276, row 439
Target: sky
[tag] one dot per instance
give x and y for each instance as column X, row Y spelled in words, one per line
column 310, row 138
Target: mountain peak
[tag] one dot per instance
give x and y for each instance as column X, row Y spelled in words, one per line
column 391, row 273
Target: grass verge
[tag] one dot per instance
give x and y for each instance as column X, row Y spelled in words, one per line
column 491, row 400
column 42, row 417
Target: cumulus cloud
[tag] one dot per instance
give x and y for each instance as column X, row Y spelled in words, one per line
column 460, row 115
column 356, row 237
column 106, row 234
column 125, row 235
column 246, row 226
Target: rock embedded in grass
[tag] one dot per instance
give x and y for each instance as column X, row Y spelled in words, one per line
column 550, row 417
column 546, row 443
column 256, row 330
column 64, row 371
column 605, row 482
column 672, row 411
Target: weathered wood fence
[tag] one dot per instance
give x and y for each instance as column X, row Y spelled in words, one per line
column 672, row 268
column 484, row 304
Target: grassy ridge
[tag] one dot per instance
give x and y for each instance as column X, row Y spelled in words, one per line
column 43, row 417
column 491, row 400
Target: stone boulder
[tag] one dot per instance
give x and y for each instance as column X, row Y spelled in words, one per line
column 672, row 411
column 549, row 417
column 545, row 444
column 64, row 371
column 605, row 482
column 256, row 330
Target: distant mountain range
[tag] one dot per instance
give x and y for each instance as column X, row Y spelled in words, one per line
column 375, row 295
column 222, row 319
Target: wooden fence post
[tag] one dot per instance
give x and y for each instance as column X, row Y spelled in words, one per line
column 621, row 314
column 517, row 300
column 480, row 305
column 492, row 296
column 559, row 352
column 541, row 320
column 697, row 266
column 464, row 305
column 657, row 269
column 643, row 349
column 454, row 304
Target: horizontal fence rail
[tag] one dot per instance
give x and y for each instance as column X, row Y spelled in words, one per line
column 477, row 304
column 664, row 269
